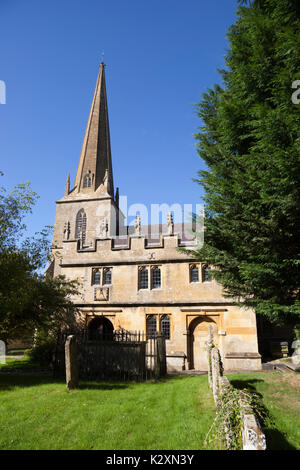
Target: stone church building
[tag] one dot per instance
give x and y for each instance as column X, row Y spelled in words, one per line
column 135, row 278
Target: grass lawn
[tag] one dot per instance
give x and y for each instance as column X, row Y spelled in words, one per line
column 20, row 363
column 280, row 394
column 37, row 412
column 15, row 352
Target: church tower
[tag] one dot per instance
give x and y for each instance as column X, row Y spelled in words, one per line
column 89, row 210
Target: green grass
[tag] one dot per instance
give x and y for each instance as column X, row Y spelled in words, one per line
column 280, row 393
column 38, row 412
column 20, row 363
column 15, row 352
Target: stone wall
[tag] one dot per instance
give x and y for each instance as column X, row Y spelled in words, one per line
column 253, row 437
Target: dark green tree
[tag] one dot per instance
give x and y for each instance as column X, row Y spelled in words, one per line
column 29, row 300
column 250, row 143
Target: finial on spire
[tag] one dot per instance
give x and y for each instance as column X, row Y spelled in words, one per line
column 102, row 61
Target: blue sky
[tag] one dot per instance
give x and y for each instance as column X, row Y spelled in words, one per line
column 160, row 55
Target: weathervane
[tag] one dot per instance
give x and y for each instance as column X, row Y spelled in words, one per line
column 102, row 57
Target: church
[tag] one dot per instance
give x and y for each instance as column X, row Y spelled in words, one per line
column 135, row 278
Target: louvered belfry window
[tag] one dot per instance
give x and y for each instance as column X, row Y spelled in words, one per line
column 87, row 181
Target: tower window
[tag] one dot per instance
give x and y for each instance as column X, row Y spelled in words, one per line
column 156, row 278
column 80, row 226
column 165, row 326
column 143, row 278
column 151, row 326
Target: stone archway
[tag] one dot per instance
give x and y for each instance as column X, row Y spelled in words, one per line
column 197, row 339
column 100, row 328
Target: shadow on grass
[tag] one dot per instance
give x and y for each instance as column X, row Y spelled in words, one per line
column 117, row 384
column 172, row 377
column 11, row 380
column 18, row 365
column 275, row 439
column 102, row 385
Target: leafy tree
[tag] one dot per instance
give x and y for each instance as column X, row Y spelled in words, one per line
column 28, row 299
column 250, row 142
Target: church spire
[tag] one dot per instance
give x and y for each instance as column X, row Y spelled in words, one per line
column 95, row 166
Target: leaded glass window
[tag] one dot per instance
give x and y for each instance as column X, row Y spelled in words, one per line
column 96, row 276
column 156, row 278
column 206, row 273
column 143, row 278
column 194, row 274
column 107, row 276
column 165, row 326
column 151, row 326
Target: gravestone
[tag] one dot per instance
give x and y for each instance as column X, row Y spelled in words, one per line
column 216, row 373
column 71, row 363
column 253, row 437
column 161, row 357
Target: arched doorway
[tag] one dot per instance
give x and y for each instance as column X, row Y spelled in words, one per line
column 100, row 328
column 197, row 342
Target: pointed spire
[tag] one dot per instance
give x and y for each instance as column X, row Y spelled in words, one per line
column 95, row 166
column 67, row 187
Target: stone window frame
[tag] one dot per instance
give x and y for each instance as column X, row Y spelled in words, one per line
column 101, row 270
column 159, row 318
column 201, row 272
column 150, row 269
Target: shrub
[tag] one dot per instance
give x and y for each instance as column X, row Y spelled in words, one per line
column 43, row 350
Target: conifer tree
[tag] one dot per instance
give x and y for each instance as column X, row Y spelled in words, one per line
column 250, row 143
